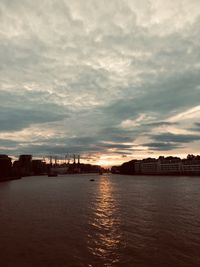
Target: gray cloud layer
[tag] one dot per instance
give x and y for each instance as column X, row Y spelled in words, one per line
column 99, row 77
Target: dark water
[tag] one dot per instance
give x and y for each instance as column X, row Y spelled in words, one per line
column 113, row 221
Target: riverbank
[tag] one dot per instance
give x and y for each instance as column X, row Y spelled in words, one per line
column 9, row 179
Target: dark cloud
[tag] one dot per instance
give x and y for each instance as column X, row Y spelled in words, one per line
column 176, row 138
column 169, row 141
column 115, row 146
column 13, row 119
column 58, row 149
column 8, row 143
column 163, row 146
column 20, row 110
column 116, row 134
column 175, row 93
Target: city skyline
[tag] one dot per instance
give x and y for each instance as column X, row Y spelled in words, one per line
column 111, row 81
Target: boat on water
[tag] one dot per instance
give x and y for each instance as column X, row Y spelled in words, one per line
column 52, row 175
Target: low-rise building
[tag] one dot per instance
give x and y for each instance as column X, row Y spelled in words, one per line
column 191, row 165
column 162, row 166
column 169, row 165
column 38, row 167
column 149, row 166
column 128, row 167
column 5, row 166
column 137, row 167
column 25, row 162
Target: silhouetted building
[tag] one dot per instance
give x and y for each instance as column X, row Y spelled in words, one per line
column 38, row 167
column 137, row 166
column 23, row 166
column 16, row 169
column 191, row 165
column 128, row 167
column 149, row 166
column 5, row 166
column 115, row 169
column 26, row 164
column 88, row 168
column 161, row 166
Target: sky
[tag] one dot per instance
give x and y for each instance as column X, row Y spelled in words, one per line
column 109, row 80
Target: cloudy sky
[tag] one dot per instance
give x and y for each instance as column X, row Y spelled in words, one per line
column 111, row 80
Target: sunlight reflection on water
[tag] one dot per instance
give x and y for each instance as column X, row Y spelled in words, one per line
column 104, row 241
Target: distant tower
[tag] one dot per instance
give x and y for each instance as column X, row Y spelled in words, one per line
column 78, row 159
column 74, row 159
column 67, row 158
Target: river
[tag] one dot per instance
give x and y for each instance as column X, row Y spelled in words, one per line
column 116, row 220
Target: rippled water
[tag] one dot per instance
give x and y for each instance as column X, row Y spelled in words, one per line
column 113, row 221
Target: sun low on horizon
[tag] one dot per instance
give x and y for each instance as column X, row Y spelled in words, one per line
column 108, row 80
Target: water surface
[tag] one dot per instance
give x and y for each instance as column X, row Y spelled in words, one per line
column 114, row 221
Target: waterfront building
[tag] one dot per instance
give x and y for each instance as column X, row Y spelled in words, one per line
column 137, row 167
column 128, row 167
column 161, row 166
column 5, row 166
column 149, row 166
column 25, row 162
column 38, row 167
column 169, row 165
column 115, row 169
column 191, row 165
column 23, row 166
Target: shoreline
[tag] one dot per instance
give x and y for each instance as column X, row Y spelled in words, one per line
column 9, row 179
